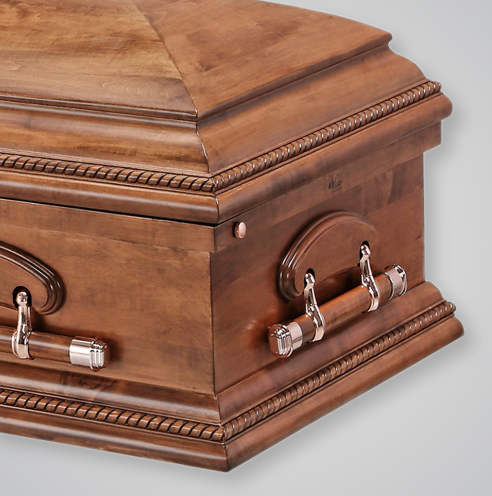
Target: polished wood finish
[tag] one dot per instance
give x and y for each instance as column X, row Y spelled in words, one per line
column 142, row 311
column 162, row 66
column 342, row 391
column 41, row 345
column 242, row 286
column 49, row 290
column 246, row 394
column 135, row 136
column 223, row 448
column 314, row 250
column 100, row 185
column 223, row 406
column 171, row 57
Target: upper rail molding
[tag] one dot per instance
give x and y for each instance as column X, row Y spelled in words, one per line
column 162, row 180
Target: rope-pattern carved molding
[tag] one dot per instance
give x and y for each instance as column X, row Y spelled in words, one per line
column 216, row 433
column 325, row 135
column 232, row 176
column 123, row 175
column 337, row 369
column 116, row 416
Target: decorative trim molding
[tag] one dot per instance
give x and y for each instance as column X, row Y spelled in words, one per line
column 116, row 416
column 166, row 180
column 55, row 289
column 337, row 369
column 217, row 433
column 337, row 257
column 325, row 135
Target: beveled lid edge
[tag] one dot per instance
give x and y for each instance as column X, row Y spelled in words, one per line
column 229, row 178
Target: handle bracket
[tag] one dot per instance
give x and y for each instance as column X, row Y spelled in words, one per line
column 20, row 338
column 285, row 338
column 83, row 352
column 312, row 309
column 367, row 279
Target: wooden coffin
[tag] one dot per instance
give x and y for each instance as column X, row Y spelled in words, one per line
column 177, row 179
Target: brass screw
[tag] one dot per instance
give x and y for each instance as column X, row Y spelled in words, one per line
column 240, row 230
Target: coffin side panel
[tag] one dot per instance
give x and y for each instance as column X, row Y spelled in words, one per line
column 246, row 300
column 347, row 341
column 141, row 299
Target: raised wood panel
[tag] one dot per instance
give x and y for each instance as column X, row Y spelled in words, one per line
column 329, row 245
column 20, row 269
column 174, row 56
column 230, row 50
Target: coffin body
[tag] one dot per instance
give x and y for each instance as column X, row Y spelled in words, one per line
column 153, row 178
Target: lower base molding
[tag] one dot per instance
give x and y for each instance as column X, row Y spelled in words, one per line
column 222, row 447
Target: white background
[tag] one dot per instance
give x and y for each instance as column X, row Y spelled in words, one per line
column 426, row 431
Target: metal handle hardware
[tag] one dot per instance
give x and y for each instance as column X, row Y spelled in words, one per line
column 86, row 352
column 367, row 278
column 288, row 337
column 83, row 352
column 20, row 338
column 398, row 279
column 312, row 309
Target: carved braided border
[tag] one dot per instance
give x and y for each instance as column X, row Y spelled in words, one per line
column 232, row 176
column 325, row 135
column 216, row 433
column 99, row 413
column 336, row 369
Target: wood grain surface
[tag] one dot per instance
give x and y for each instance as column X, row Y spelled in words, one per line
column 192, row 96
column 224, row 447
column 175, row 56
column 135, row 136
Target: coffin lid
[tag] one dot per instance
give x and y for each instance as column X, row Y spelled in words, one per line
column 172, row 94
column 179, row 59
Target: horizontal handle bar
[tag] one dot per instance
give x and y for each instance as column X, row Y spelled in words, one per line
column 84, row 352
column 285, row 338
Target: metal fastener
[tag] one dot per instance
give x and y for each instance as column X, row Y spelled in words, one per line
column 240, row 230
